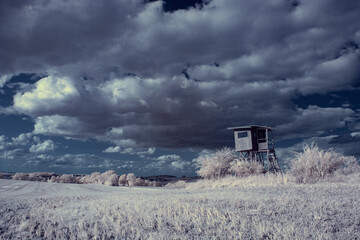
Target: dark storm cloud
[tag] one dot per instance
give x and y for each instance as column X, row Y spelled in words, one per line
column 130, row 73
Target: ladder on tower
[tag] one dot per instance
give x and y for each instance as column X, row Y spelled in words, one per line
column 273, row 162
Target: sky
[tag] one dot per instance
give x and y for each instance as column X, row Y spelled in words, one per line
column 148, row 86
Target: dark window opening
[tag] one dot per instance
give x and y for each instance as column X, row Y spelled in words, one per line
column 262, row 134
column 242, row 134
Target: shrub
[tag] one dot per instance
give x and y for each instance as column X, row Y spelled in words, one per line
column 109, row 178
column 66, row 178
column 215, row 165
column 155, row 184
column 53, row 179
column 139, row 182
column 130, row 178
column 243, row 168
column 313, row 164
column 34, row 177
column 122, row 180
column 93, row 178
column 20, row 176
column 113, row 180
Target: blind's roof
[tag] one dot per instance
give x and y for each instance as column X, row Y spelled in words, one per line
column 249, row 127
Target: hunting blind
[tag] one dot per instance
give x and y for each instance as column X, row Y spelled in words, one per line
column 256, row 143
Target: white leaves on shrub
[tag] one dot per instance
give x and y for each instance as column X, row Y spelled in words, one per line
column 130, row 178
column 20, row 176
column 313, row 164
column 215, row 165
column 110, row 178
column 122, row 180
column 224, row 162
column 67, row 178
column 243, row 168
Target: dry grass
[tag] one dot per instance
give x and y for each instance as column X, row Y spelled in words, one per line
column 269, row 209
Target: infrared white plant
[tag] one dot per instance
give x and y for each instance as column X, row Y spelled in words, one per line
column 215, row 165
column 67, row 178
column 122, row 180
column 243, row 168
column 20, row 176
column 92, row 178
column 110, row 178
column 131, row 179
column 313, row 164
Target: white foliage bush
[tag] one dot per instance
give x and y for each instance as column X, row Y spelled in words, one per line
column 314, row 164
column 34, row 177
column 215, row 165
column 20, row 176
column 130, row 178
column 67, row 178
column 92, row 178
column 110, row 178
column 122, row 180
column 243, row 168
column 53, row 179
column 139, row 182
column 224, row 162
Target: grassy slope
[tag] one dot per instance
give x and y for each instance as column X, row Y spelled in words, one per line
column 290, row 211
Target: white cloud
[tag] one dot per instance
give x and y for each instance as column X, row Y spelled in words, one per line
column 179, row 165
column 355, row 134
column 12, row 154
column 115, row 149
column 4, row 79
column 47, row 145
column 169, row 157
column 49, row 93
column 58, row 125
column 22, row 139
column 130, row 151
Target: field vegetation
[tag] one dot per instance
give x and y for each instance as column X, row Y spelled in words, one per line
column 308, row 202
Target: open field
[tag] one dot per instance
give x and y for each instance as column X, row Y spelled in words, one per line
column 282, row 211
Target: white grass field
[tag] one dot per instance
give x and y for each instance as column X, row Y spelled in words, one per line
column 37, row 210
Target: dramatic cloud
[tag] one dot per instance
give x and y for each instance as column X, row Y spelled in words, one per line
column 45, row 146
column 128, row 73
column 49, row 94
column 315, row 121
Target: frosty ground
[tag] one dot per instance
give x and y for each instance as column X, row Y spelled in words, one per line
column 328, row 210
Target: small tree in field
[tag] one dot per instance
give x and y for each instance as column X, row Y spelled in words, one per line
column 110, row 178
column 131, row 178
column 122, row 180
column 313, row 164
column 216, row 165
column 67, row 178
column 20, row 176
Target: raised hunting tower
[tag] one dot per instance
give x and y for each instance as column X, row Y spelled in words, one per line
column 256, row 143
